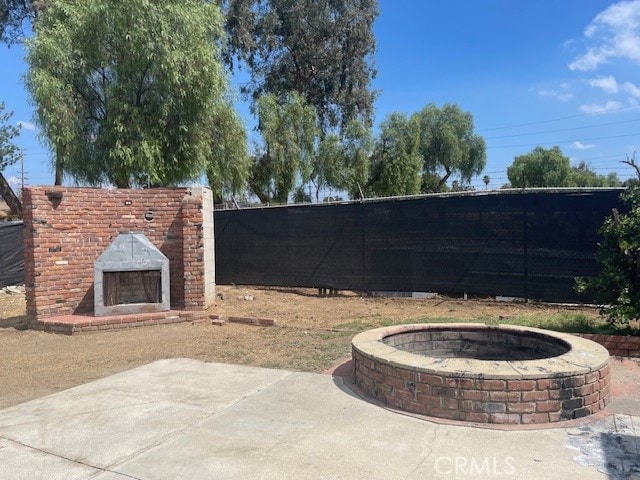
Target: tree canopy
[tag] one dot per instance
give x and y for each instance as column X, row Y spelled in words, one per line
column 356, row 148
column 582, row 176
column 420, row 153
column 229, row 164
column 13, row 14
column 289, row 131
column 550, row 168
column 130, row 92
column 541, row 167
column 343, row 162
column 448, row 146
column 322, row 50
column 396, row 163
column 9, row 153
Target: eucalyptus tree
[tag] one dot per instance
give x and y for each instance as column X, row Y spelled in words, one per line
column 582, row 176
column 130, row 92
column 323, row 50
column 9, row 154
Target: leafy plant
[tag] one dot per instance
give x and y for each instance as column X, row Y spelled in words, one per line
column 9, row 152
column 617, row 287
column 135, row 93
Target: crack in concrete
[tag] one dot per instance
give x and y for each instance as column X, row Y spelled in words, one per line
column 514, row 368
column 75, row 461
column 211, row 415
column 163, row 439
column 427, row 455
column 62, row 417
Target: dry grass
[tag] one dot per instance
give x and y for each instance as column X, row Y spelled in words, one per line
column 313, row 333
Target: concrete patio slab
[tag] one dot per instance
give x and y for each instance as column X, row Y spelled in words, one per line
column 186, row 419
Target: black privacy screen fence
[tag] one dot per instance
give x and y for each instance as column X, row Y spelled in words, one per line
column 520, row 244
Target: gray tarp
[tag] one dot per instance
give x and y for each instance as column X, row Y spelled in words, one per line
column 11, row 254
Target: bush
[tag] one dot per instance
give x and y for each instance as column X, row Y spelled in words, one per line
column 617, row 287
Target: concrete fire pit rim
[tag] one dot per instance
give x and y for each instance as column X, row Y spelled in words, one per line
column 583, row 356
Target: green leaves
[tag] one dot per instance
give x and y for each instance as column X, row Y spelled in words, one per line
column 130, row 93
column 323, row 51
column 617, row 287
column 449, row 146
column 397, row 163
column 420, row 153
column 9, row 152
column 550, row 168
column 540, row 168
column 228, row 167
column 289, row 131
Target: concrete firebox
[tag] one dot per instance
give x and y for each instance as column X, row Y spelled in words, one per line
column 131, row 276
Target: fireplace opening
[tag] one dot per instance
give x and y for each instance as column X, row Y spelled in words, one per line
column 132, row 287
column 131, row 276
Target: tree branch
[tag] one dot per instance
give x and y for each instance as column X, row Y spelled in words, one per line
column 631, row 161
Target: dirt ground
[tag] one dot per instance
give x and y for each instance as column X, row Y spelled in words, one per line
column 312, row 334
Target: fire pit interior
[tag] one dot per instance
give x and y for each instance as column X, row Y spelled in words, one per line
column 481, row 344
column 131, row 276
column 484, row 374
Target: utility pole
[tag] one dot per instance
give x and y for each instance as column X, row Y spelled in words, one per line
column 21, row 173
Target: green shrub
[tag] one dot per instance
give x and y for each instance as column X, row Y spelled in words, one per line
column 617, row 287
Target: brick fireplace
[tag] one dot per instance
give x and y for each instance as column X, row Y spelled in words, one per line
column 68, row 229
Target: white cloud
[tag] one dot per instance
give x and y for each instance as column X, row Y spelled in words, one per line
column 560, row 95
column 578, row 145
column 588, row 61
column 613, row 33
column 631, row 89
column 608, row 84
column 595, row 108
column 13, row 180
column 26, row 125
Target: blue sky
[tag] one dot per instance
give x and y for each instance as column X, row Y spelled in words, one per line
column 533, row 72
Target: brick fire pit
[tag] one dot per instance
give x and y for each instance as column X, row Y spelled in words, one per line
column 484, row 374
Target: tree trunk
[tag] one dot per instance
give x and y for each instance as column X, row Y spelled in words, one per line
column 59, row 168
column 59, row 172
column 9, row 197
column 443, row 180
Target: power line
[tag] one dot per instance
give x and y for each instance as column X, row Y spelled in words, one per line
column 563, row 129
column 557, row 142
column 556, row 119
column 603, row 156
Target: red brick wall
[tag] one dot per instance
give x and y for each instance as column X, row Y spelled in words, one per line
column 480, row 400
column 65, row 235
